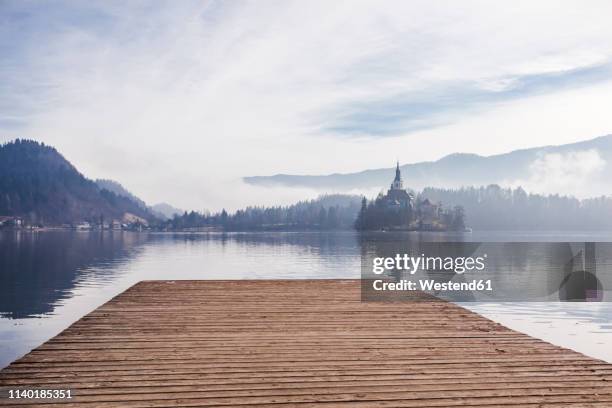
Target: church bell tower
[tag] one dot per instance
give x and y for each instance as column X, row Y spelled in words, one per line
column 398, row 183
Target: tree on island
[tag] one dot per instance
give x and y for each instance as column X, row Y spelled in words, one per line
column 457, row 221
column 379, row 215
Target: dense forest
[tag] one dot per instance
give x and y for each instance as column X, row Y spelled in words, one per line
column 40, row 185
column 496, row 208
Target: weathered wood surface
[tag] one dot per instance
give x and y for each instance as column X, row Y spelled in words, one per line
column 300, row 343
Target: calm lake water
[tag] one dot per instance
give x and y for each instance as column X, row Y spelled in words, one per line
column 50, row 279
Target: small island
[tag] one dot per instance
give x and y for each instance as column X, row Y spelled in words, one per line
column 399, row 210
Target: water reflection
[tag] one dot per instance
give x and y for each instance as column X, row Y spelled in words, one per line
column 510, row 271
column 37, row 270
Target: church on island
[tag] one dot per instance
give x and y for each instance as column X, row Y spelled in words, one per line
column 399, row 209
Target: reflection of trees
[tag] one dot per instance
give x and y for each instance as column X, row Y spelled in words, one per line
column 39, row 269
column 323, row 243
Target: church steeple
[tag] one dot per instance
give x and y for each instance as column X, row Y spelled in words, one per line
column 398, row 183
column 398, row 175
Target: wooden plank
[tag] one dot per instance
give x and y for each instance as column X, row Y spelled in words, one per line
column 306, row 343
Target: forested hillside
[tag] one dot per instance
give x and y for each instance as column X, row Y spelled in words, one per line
column 40, row 185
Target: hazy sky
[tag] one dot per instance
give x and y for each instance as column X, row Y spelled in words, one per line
column 178, row 100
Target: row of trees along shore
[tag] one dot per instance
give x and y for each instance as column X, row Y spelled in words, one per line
column 485, row 208
column 328, row 212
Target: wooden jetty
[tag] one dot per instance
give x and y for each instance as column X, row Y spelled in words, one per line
column 302, row 343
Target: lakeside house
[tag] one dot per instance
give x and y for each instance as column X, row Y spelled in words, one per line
column 10, row 221
column 129, row 222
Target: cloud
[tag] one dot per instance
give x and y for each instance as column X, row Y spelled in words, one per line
column 397, row 114
column 179, row 100
column 575, row 173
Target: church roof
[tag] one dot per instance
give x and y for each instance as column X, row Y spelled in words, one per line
column 393, row 194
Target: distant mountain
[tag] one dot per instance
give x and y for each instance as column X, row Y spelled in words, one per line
column 38, row 183
column 166, row 210
column 162, row 211
column 118, row 189
column 584, row 167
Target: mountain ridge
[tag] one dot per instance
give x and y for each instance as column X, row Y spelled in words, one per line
column 453, row 170
column 165, row 210
column 117, row 188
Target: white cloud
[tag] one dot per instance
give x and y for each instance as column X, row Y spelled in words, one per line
column 572, row 173
column 178, row 100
